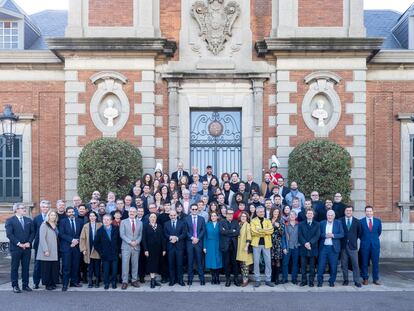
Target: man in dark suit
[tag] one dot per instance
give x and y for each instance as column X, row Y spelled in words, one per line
column 370, row 245
column 196, row 227
column 179, row 172
column 283, row 190
column 69, row 233
column 20, row 232
column 339, row 206
column 206, row 191
column 251, row 185
column 175, row 232
column 330, row 246
column 308, row 236
column 209, row 174
column 349, row 252
column 108, row 245
column 229, row 232
column 37, row 222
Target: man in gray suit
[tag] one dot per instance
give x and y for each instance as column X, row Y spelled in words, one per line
column 131, row 234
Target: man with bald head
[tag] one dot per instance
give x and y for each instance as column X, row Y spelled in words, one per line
column 179, row 172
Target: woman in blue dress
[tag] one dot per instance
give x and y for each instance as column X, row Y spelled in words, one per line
column 214, row 260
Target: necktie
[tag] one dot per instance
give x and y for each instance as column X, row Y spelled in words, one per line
column 93, row 232
column 194, row 227
column 72, row 223
column 348, row 223
column 133, row 227
column 22, row 222
column 370, row 225
column 310, row 223
column 179, row 175
column 174, row 225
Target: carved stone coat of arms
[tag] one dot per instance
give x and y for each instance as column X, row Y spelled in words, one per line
column 216, row 21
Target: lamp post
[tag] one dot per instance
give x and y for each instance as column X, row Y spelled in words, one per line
column 8, row 123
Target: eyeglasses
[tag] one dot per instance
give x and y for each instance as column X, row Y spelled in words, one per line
column 94, row 202
column 194, row 209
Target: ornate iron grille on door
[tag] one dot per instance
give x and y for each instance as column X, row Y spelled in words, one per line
column 215, row 140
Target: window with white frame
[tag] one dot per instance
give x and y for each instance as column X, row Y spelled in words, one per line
column 9, row 35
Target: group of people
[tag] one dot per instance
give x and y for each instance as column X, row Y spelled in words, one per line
column 195, row 223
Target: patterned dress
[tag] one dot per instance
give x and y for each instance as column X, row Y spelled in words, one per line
column 276, row 251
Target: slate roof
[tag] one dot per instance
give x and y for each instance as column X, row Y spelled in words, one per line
column 379, row 23
column 52, row 23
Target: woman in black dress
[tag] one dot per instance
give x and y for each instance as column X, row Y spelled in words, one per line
column 154, row 246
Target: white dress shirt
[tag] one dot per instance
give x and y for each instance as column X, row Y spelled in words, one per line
column 329, row 229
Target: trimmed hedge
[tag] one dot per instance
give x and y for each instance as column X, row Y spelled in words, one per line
column 321, row 165
column 108, row 164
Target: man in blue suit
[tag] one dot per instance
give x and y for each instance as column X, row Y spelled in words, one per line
column 69, row 233
column 20, row 232
column 370, row 245
column 330, row 247
column 175, row 232
column 37, row 222
column 195, row 234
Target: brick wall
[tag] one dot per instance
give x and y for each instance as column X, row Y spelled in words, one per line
column 162, row 124
column 260, row 21
column 269, row 123
column 170, row 21
column 109, row 13
column 46, row 101
column 320, row 13
column 384, row 101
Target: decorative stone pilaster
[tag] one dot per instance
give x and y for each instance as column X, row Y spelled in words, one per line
column 147, row 111
column 173, row 86
column 357, row 130
column 72, row 131
column 284, row 109
column 257, row 137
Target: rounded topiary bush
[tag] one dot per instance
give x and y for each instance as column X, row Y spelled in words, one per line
column 108, row 164
column 321, row 165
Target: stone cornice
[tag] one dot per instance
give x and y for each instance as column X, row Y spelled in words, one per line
column 282, row 46
column 154, row 46
column 28, row 57
column 405, row 117
column 394, row 57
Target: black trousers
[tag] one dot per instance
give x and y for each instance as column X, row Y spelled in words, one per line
column 142, row 263
column 175, row 264
column 304, row 263
column 94, row 268
column 37, row 270
column 50, row 272
column 110, row 268
column 20, row 257
column 70, row 266
column 230, row 262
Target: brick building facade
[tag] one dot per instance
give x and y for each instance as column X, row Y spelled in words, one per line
column 266, row 63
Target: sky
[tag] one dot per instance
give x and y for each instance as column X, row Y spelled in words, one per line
column 33, row 6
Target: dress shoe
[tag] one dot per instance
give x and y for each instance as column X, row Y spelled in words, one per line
column 114, row 286
column 96, row 285
column 236, row 282
column 345, row 283
column 36, row 286
column 124, row 286
column 277, row 282
column 75, row 285
column 49, row 288
column 303, row 284
column 53, row 287
column 17, row 290
column 283, row 281
column 319, row 284
column 90, row 285
column 171, row 284
column 135, row 284
column 294, row 282
column 365, row 282
column 142, row 280
column 256, row 284
column 190, row 283
column 358, row 284
column 331, row 284
column 64, row 289
column 164, row 280
column 311, row 284
column 202, row 283
column 106, row 286
column 27, row 288
column 152, row 283
column 228, row 283
column 376, row 282
column 181, row 283
column 270, row 284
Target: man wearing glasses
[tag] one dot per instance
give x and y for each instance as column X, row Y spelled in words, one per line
column 20, row 232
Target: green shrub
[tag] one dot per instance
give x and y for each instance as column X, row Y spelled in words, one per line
column 321, row 165
column 108, row 164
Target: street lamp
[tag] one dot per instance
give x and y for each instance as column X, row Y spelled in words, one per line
column 8, row 123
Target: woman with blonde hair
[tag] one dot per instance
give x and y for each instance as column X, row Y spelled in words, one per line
column 47, row 253
column 244, row 253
